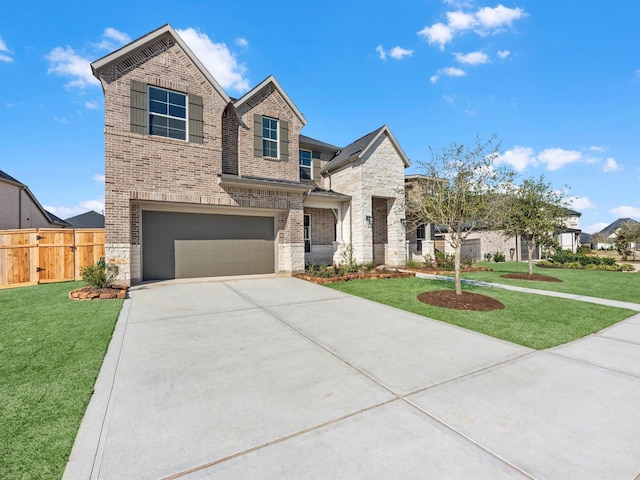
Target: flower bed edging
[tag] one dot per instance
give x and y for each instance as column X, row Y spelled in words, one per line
column 352, row 276
column 88, row 293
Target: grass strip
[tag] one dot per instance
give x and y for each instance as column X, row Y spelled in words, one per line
column 622, row 286
column 534, row 321
column 50, row 354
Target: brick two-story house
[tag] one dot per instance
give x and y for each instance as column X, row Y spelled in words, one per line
column 200, row 184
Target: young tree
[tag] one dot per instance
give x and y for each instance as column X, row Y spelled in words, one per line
column 628, row 234
column 460, row 190
column 534, row 211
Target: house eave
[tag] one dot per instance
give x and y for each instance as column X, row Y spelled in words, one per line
column 228, row 180
column 271, row 79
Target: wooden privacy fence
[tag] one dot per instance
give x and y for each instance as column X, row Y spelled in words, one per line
column 45, row 255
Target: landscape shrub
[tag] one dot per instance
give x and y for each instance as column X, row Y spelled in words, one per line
column 566, row 256
column 411, row 263
column 466, row 261
column 445, row 261
column 99, row 274
column 498, row 257
column 583, row 250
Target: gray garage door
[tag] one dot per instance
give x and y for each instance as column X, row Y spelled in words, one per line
column 187, row 245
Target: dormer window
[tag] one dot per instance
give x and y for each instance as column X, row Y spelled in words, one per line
column 167, row 113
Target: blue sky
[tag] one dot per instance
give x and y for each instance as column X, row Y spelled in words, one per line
column 557, row 80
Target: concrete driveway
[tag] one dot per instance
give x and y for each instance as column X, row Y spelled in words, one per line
column 279, row 378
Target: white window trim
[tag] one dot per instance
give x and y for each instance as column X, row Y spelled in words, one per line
column 307, row 229
column 277, row 140
column 186, row 111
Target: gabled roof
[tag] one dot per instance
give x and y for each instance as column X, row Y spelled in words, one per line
column 145, row 41
column 48, row 215
column 613, row 227
column 89, row 219
column 358, row 149
column 271, row 80
column 312, row 142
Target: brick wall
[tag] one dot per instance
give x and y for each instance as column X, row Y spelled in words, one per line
column 140, row 167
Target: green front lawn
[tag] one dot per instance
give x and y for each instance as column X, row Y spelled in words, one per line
column 51, row 349
column 534, row 321
column 623, row 286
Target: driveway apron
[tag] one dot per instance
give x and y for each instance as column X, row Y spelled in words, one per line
column 279, row 378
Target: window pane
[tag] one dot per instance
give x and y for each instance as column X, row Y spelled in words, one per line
column 157, row 94
column 179, row 112
column 157, row 107
column 177, row 99
column 305, row 173
column 156, row 121
column 177, row 124
column 179, row 134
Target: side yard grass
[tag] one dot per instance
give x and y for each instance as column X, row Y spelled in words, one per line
column 51, row 349
column 534, row 321
column 622, row 286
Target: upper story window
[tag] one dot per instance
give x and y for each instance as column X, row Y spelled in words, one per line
column 167, row 113
column 305, row 165
column 421, row 232
column 269, row 137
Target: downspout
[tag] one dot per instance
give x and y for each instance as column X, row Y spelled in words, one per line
column 20, row 190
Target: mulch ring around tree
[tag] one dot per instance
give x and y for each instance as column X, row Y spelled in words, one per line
column 90, row 293
column 535, row 276
column 464, row 301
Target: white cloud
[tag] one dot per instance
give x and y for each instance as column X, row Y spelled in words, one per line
column 626, row 211
column 381, row 53
column 503, row 54
column 4, row 52
column 93, row 105
column 556, row 158
column 242, row 42
column 519, row 158
column 112, row 39
column 218, row 59
column 398, row 53
column 498, row 17
column 485, row 21
column 67, row 63
column 595, row 228
column 595, row 148
column 637, row 73
column 460, row 20
column 473, row 58
column 62, row 120
column 453, row 72
column 438, row 33
column 434, row 78
column 610, row 165
column 98, row 177
column 580, row 203
column 82, row 207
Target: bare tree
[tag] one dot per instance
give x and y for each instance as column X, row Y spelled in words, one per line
column 534, row 212
column 461, row 190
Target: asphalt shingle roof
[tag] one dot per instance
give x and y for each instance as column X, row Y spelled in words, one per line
column 89, row 219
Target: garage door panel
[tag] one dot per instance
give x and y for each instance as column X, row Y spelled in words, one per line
column 214, row 258
column 225, row 256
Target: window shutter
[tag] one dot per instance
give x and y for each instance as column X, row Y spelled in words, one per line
column 284, row 140
column 315, row 175
column 257, row 135
column 196, row 133
column 138, row 107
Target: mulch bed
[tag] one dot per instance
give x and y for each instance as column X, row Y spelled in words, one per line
column 90, row 293
column 353, row 276
column 535, row 276
column 464, row 301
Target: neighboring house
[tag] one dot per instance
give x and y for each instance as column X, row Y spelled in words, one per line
column 200, row 184
column 610, row 232
column 19, row 208
column 90, row 219
column 424, row 240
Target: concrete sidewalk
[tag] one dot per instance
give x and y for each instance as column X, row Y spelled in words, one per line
column 280, row 378
column 581, row 298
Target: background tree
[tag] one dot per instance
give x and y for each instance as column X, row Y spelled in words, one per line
column 628, row 235
column 534, row 211
column 460, row 191
column 599, row 237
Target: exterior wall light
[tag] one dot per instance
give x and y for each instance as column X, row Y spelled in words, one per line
column 369, row 220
